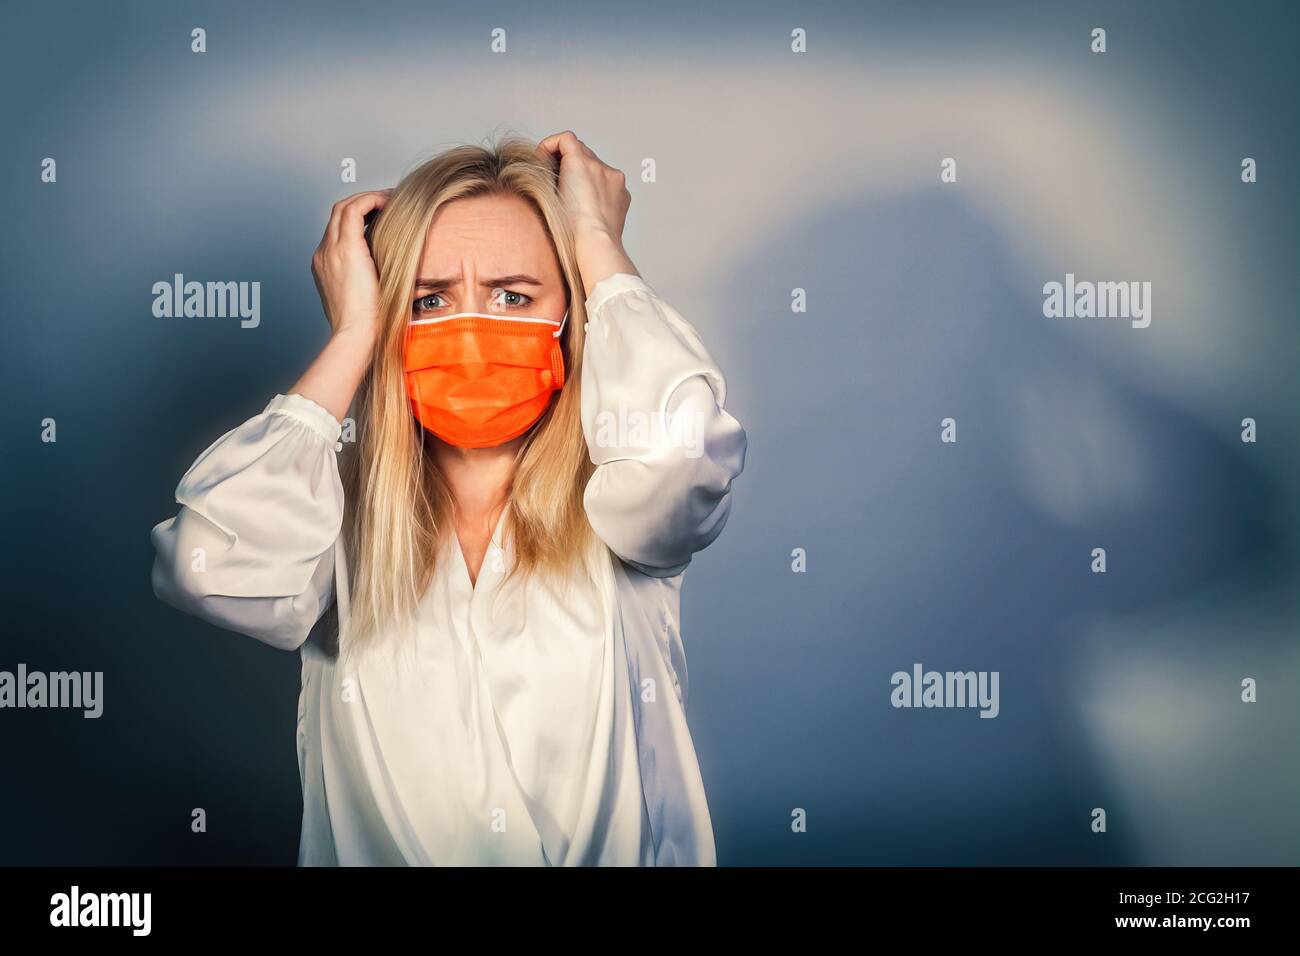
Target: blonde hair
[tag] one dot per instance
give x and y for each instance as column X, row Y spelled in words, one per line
column 397, row 500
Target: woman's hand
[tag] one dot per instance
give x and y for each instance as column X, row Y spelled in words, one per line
column 345, row 273
column 348, row 283
column 596, row 198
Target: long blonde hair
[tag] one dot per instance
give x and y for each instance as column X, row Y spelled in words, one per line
column 398, row 503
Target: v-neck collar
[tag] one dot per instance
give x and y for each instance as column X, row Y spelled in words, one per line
column 493, row 542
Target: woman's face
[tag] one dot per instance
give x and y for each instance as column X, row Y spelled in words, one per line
column 488, row 254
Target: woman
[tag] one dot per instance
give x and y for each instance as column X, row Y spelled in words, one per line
column 541, row 446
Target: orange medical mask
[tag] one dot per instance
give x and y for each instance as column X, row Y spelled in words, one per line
column 477, row 380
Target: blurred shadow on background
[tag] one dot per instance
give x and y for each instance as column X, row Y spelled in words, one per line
column 973, row 556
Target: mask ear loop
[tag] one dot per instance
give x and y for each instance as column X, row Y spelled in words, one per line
column 558, row 349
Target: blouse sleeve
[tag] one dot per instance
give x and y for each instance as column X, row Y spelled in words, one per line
column 252, row 548
column 665, row 449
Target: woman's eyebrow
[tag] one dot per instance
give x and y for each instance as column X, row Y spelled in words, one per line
column 487, row 283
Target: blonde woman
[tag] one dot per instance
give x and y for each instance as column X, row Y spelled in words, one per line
column 540, row 447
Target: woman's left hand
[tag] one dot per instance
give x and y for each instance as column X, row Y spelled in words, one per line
column 596, row 198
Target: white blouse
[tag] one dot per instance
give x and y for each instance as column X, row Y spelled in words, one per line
column 520, row 725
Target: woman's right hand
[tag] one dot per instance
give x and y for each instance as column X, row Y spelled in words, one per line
column 348, row 283
column 345, row 273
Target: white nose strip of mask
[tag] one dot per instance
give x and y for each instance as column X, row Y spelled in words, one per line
column 484, row 315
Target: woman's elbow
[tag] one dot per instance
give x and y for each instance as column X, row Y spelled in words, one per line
column 657, row 518
column 181, row 579
column 283, row 623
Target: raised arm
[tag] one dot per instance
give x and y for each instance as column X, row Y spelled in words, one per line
column 665, row 448
column 252, row 547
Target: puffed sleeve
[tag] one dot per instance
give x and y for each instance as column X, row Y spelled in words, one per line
column 665, row 449
column 252, row 548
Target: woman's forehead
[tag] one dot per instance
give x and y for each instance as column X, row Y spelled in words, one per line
column 493, row 235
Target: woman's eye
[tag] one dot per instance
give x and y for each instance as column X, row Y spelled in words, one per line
column 511, row 299
column 426, row 303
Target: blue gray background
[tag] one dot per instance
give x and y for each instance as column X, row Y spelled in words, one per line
column 775, row 171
